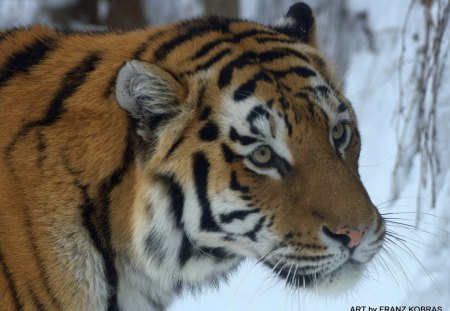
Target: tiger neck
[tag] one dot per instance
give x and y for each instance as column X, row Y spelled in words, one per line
column 163, row 260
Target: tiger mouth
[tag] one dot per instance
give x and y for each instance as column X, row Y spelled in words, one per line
column 309, row 277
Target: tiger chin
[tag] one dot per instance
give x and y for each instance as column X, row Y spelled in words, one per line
column 135, row 165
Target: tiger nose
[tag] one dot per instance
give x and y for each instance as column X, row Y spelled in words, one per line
column 348, row 237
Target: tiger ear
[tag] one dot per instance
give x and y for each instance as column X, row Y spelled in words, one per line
column 149, row 94
column 298, row 22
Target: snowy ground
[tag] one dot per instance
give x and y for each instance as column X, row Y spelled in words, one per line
column 396, row 278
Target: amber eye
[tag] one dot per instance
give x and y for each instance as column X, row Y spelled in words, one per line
column 338, row 132
column 339, row 136
column 262, row 155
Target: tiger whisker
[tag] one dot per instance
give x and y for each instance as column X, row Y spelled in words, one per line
column 413, row 229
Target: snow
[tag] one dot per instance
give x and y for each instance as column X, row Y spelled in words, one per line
column 415, row 276
column 17, row 13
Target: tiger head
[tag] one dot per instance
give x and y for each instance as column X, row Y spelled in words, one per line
column 247, row 148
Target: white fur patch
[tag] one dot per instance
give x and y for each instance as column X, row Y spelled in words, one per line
column 284, row 22
column 234, row 115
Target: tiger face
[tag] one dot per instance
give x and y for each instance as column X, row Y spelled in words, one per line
column 253, row 155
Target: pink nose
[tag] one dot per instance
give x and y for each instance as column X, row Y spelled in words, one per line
column 354, row 235
column 348, row 237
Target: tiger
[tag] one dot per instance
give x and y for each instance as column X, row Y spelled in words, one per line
column 139, row 165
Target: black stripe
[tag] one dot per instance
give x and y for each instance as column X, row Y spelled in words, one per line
column 296, row 53
column 41, row 146
column 271, row 221
column 175, row 146
column 200, row 100
column 302, row 95
column 322, row 90
column 248, row 88
column 154, row 245
column 208, row 47
column 186, row 251
column 251, row 57
column 218, row 253
column 205, row 49
column 240, row 215
column 214, row 24
column 42, row 270
column 71, row 81
column 142, row 48
column 226, row 74
column 176, row 195
column 111, row 85
column 209, row 132
column 228, row 154
column 288, row 236
column 342, row 107
column 269, row 56
column 201, row 171
column 243, row 140
column 300, row 71
column 205, row 113
column 37, row 303
column 252, row 233
column 235, row 185
column 311, row 107
column 105, row 191
column 217, row 57
column 284, row 104
column 29, row 56
column 211, row 61
column 288, row 124
column 257, row 112
column 9, row 278
column 89, row 222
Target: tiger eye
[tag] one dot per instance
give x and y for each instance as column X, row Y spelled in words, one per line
column 338, row 131
column 262, row 155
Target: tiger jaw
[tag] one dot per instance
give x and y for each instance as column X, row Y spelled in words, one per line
column 301, row 272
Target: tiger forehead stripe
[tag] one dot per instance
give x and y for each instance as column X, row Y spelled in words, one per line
column 251, row 57
column 246, row 89
column 236, row 38
column 211, row 61
column 216, row 24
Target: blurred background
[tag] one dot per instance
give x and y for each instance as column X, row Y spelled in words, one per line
column 392, row 57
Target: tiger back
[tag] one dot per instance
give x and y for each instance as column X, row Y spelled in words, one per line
column 136, row 165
